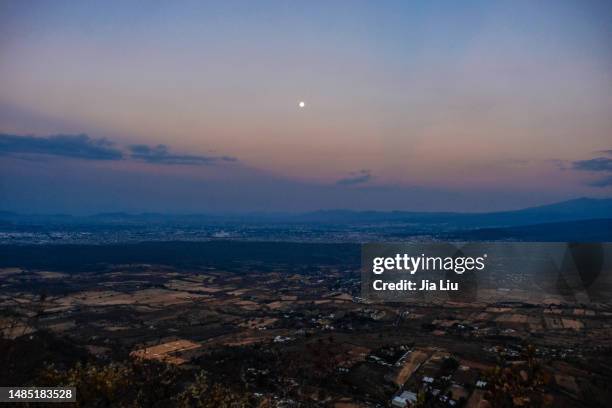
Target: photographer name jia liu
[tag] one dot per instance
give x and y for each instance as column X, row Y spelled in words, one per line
column 426, row 285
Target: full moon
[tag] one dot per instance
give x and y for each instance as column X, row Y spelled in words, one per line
column 302, row 104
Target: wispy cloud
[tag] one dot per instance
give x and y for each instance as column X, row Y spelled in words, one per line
column 356, row 177
column 74, row 146
column 161, row 154
column 82, row 146
column 560, row 164
column 596, row 165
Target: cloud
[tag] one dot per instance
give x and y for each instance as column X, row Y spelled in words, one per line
column 84, row 147
column 356, row 177
column 161, row 154
column 596, row 165
column 560, row 164
column 74, row 146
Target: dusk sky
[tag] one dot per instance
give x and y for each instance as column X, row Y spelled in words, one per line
column 410, row 105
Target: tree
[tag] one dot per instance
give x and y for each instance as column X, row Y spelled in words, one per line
column 141, row 383
column 201, row 394
column 519, row 385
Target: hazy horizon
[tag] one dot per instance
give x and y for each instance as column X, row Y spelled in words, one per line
column 272, row 214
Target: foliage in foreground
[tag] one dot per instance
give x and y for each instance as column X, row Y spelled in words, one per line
column 137, row 383
column 519, row 385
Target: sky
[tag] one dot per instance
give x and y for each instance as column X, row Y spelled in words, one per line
column 409, row 105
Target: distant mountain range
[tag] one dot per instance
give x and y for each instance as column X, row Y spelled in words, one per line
column 583, row 219
column 596, row 230
column 577, row 209
column 566, row 211
column 572, row 210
